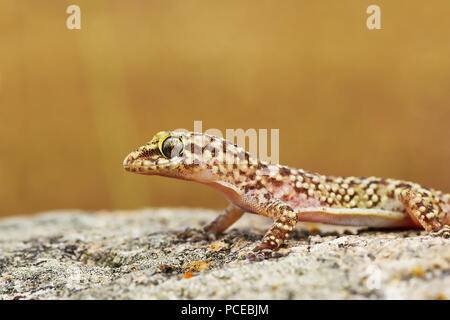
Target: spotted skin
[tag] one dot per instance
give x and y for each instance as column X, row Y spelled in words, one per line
column 284, row 194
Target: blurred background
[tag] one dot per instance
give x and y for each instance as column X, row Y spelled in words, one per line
column 347, row 100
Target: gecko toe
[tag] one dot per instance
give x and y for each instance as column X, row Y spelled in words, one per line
column 255, row 256
column 443, row 233
column 261, row 253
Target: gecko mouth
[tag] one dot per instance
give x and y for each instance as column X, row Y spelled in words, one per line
column 132, row 163
column 138, row 166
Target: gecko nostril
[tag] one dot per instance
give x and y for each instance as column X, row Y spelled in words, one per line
column 128, row 161
column 126, row 164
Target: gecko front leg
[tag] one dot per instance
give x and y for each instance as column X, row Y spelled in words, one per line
column 224, row 221
column 284, row 221
column 215, row 227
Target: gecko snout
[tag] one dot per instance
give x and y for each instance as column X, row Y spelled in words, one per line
column 138, row 161
column 145, row 160
column 129, row 161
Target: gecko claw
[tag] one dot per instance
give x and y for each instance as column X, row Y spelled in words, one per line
column 261, row 253
column 443, row 233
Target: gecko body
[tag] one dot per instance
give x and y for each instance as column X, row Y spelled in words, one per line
column 284, row 194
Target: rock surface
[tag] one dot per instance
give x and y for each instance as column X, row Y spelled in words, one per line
column 136, row 255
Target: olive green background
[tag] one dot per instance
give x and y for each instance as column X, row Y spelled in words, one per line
column 347, row 100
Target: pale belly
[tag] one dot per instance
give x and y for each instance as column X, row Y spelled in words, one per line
column 391, row 216
column 357, row 217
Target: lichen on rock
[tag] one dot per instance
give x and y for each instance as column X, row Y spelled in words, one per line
column 137, row 255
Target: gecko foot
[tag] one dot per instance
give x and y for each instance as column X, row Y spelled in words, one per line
column 444, row 233
column 261, row 253
column 192, row 234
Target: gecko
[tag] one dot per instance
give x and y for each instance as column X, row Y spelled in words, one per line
column 284, row 194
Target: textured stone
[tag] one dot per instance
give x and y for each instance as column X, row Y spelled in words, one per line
column 136, row 255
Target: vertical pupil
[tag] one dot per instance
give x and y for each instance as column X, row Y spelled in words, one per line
column 171, row 147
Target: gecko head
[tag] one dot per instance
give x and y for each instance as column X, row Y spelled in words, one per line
column 163, row 155
column 183, row 155
column 189, row 156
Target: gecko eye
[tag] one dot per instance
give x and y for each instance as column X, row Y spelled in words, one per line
column 171, row 147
